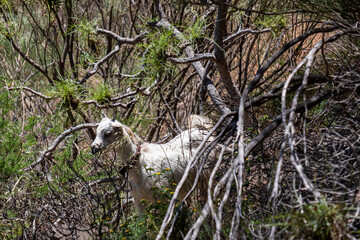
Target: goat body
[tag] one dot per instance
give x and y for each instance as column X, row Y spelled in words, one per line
column 149, row 158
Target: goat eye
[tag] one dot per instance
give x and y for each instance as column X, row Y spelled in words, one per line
column 108, row 133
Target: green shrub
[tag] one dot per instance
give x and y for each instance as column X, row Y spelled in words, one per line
column 147, row 224
column 16, row 140
column 67, row 90
column 318, row 221
column 161, row 44
column 102, row 93
column 277, row 23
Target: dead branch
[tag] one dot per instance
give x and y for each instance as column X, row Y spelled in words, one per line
column 49, row 151
column 32, row 91
column 212, row 91
column 219, row 52
column 109, row 105
column 241, row 31
column 121, row 40
column 195, row 58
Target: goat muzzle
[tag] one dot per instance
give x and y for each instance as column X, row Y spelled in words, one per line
column 95, row 149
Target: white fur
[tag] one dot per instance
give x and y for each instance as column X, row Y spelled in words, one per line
column 174, row 155
column 198, row 121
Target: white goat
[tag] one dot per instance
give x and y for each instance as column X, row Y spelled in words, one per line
column 173, row 155
column 198, row 121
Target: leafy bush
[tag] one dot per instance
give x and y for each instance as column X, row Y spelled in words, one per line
column 102, row 93
column 277, row 23
column 68, row 91
column 16, row 147
column 146, row 225
column 161, row 45
column 318, row 221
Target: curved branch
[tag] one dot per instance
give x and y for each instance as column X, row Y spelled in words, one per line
column 284, row 48
column 100, row 62
column 228, row 178
column 199, row 68
column 121, row 41
column 32, row 91
column 109, row 105
column 243, row 31
column 129, row 94
column 49, row 151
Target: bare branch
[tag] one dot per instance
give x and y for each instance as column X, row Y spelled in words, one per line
column 219, row 52
column 139, row 90
column 195, row 58
column 109, row 105
column 105, row 180
column 122, row 40
column 283, row 49
column 32, row 91
column 193, row 159
column 199, row 68
column 99, row 63
column 244, row 31
column 49, row 151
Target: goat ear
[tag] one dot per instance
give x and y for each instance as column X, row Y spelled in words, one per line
column 116, row 124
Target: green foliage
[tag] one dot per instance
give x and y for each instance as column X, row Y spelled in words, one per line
column 86, row 34
column 16, row 139
column 102, row 93
column 196, row 30
column 85, row 58
column 161, row 44
column 277, row 23
column 318, row 221
column 147, row 225
column 66, row 90
column 7, row 29
column 10, row 228
column 85, row 27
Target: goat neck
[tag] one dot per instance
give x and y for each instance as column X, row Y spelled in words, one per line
column 126, row 148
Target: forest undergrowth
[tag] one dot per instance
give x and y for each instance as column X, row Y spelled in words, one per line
column 279, row 80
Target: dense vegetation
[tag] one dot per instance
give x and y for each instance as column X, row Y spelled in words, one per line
column 281, row 79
